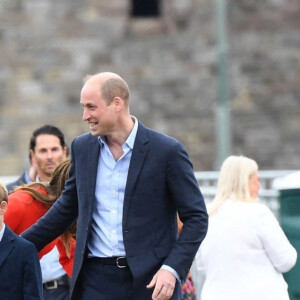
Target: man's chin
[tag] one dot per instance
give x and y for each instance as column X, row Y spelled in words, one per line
column 94, row 133
column 49, row 173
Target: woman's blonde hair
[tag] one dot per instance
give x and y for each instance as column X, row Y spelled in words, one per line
column 233, row 181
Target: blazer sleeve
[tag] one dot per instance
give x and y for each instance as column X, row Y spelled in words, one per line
column 46, row 249
column 32, row 277
column 191, row 209
column 278, row 248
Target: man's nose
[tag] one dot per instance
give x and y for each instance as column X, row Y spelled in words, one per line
column 49, row 154
column 85, row 115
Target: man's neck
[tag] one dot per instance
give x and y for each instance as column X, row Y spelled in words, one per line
column 119, row 136
column 42, row 178
column 1, row 223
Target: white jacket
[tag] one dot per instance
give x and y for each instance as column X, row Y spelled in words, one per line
column 244, row 254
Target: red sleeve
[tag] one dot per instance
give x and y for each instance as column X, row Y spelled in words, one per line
column 65, row 261
column 16, row 210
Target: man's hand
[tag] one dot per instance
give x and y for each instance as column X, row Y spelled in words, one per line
column 163, row 283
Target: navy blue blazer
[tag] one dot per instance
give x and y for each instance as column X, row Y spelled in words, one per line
column 160, row 182
column 20, row 272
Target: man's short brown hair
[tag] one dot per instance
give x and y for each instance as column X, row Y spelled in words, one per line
column 3, row 192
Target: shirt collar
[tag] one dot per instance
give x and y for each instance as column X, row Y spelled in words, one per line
column 26, row 176
column 131, row 138
column 2, row 232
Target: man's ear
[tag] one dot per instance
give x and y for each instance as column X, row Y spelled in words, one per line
column 66, row 152
column 32, row 157
column 118, row 103
column 3, row 207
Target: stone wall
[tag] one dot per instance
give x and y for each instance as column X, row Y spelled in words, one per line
column 170, row 64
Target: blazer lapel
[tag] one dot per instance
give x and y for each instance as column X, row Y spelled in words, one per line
column 6, row 245
column 92, row 166
column 139, row 153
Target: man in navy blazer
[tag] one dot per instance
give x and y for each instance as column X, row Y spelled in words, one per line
column 127, row 184
column 20, row 272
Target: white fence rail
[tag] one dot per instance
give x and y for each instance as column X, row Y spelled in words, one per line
column 267, row 194
column 8, row 179
column 208, row 184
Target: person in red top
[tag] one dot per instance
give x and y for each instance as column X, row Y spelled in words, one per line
column 27, row 204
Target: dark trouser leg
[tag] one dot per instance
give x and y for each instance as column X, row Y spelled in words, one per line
column 104, row 282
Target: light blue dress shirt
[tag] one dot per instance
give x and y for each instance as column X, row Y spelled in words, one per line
column 106, row 234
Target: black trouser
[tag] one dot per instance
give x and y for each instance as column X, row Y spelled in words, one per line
column 98, row 281
column 104, row 282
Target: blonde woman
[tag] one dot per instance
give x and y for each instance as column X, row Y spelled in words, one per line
column 245, row 251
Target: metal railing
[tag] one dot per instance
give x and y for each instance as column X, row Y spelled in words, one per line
column 8, row 179
column 267, row 194
column 208, row 185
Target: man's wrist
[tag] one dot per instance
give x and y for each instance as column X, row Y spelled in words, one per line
column 165, row 267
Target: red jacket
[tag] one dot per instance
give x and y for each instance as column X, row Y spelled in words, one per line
column 22, row 212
